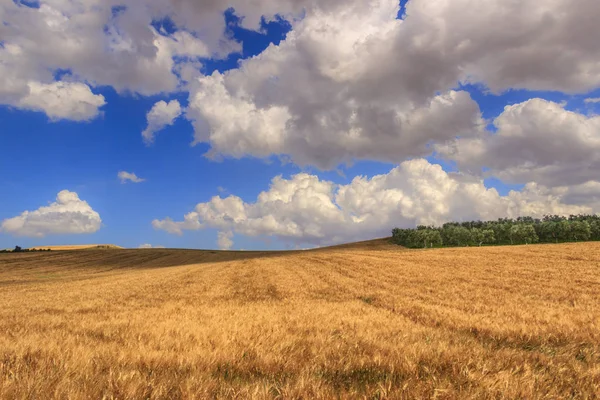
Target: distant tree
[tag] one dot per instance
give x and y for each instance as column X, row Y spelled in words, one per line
column 462, row 236
column 456, row 236
column 523, row 233
column 549, row 231
column 477, row 236
column 563, row 230
column 434, row 238
column 489, row 236
column 502, row 231
column 17, row 249
column 595, row 230
column 482, row 236
column 580, row 230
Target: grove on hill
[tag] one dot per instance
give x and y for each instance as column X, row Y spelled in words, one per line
column 504, row 231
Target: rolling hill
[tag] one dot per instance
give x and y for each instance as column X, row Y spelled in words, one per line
column 78, row 247
column 366, row 320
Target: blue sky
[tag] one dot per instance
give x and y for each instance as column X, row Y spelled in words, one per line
column 43, row 155
column 47, row 157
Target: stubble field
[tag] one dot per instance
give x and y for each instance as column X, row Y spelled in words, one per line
column 365, row 321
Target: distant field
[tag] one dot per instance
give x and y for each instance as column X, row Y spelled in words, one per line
column 363, row 321
column 78, row 247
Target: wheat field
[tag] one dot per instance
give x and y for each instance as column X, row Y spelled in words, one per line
column 364, row 321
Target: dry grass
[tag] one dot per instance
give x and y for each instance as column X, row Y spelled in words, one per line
column 362, row 322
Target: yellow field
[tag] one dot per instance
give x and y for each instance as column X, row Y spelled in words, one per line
column 349, row 322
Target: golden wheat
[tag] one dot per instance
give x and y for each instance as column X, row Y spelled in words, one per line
column 348, row 322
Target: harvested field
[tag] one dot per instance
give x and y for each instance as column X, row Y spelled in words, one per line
column 364, row 321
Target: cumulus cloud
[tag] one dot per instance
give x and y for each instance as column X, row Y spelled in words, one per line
column 62, row 100
column 353, row 82
column 538, row 141
column 318, row 96
column 149, row 246
column 67, row 215
column 306, row 209
column 129, row 177
column 350, row 81
column 100, row 43
column 224, row 240
column 592, row 100
column 161, row 115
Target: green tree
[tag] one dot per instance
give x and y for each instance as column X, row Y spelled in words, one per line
column 488, row 236
column 523, row 233
column 580, row 230
column 456, row 236
column 549, row 231
column 595, row 230
column 476, row 236
column 435, row 238
column 563, row 230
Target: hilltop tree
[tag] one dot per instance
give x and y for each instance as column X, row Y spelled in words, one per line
column 595, row 230
column 482, row 236
column 523, row 233
column 580, row 230
column 550, row 229
column 563, row 230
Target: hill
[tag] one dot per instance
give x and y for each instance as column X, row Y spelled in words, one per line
column 78, row 247
column 350, row 321
column 373, row 244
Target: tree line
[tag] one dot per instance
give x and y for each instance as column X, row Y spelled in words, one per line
column 504, row 231
column 18, row 249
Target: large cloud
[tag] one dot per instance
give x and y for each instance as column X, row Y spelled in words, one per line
column 537, row 141
column 99, row 43
column 68, row 215
column 116, row 42
column 317, row 96
column 305, row 209
column 351, row 81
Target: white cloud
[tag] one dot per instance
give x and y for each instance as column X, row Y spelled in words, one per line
column 306, row 209
column 101, row 43
column 349, row 82
column 224, row 240
column 538, row 141
column 352, row 82
column 62, row 100
column 129, row 177
column 592, row 100
column 318, row 96
column 161, row 115
column 68, row 215
column 149, row 246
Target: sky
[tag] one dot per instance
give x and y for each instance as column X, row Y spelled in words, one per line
column 292, row 123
